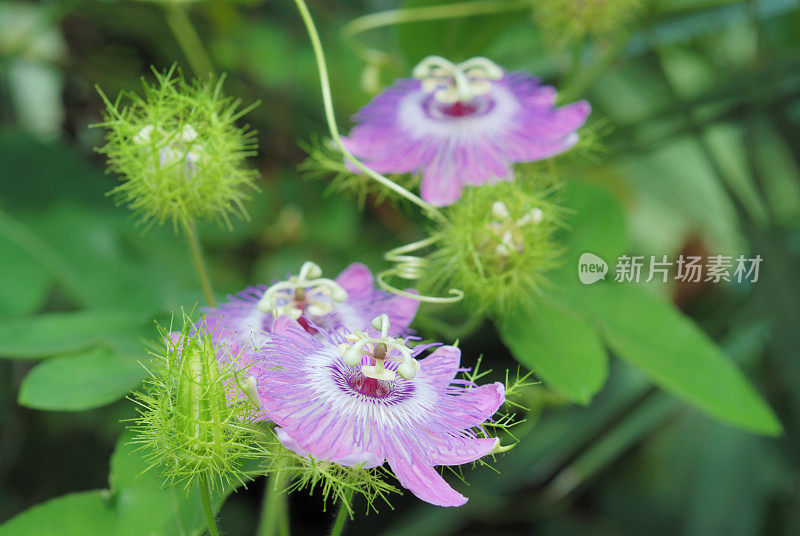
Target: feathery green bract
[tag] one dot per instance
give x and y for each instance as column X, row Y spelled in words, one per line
column 498, row 242
column 192, row 420
column 570, row 21
column 178, row 151
column 324, row 161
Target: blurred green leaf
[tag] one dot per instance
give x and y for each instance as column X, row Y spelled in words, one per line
column 58, row 333
column 28, row 283
column 76, row 514
column 563, row 350
column 648, row 332
column 595, row 224
column 455, row 39
column 91, row 379
column 144, row 506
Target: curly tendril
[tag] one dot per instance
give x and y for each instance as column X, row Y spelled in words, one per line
column 412, row 268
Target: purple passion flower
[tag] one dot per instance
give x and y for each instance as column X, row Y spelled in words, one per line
column 460, row 124
column 317, row 303
column 359, row 399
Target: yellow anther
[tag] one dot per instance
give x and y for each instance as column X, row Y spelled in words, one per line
column 307, row 291
column 456, row 82
column 377, row 348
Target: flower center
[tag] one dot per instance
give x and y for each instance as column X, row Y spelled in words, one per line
column 455, row 84
column 370, row 386
column 458, row 109
column 377, row 350
column 305, row 292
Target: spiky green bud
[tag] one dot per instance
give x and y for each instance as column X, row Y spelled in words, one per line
column 498, row 243
column 569, row 21
column 178, row 151
column 195, row 418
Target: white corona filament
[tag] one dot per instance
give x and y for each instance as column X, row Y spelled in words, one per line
column 377, row 348
column 305, row 291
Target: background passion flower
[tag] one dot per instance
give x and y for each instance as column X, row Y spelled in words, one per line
column 350, row 301
column 462, row 124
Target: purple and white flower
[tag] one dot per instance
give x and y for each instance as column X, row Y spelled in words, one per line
column 362, row 399
column 462, row 124
column 350, row 302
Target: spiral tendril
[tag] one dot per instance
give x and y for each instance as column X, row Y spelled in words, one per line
column 412, row 268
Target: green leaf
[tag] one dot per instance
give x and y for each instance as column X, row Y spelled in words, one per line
column 58, row 333
column 91, row 379
column 596, row 224
column 563, row 350
column 143, row 506
column 650, row 333
column 76, row 514
column 29, row 281
column 455, row 39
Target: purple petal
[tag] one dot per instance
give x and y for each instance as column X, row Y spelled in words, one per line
column 424, row 482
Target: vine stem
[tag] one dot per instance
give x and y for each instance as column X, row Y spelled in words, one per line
column 209, row 514
column 426, row 13
column 341, row 519
column 199, row 263
column 274, row 511
column 428, row 209
column 190, row 43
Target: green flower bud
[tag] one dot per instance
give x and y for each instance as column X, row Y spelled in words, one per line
column 566, row 21
column 195, row 418
column 178, row 151
column 498, row 243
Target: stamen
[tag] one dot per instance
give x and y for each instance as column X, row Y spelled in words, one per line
column 377, row 349
column 306, row 291
column 452, row 83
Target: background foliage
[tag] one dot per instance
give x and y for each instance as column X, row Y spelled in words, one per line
column 698, row 116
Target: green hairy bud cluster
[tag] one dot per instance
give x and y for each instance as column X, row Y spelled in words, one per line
column 498, row 242
column 192, row 421
column 569, row 21
column 178, row 151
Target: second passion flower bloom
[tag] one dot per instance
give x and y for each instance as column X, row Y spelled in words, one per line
column 350, row 301
column 362, row 399
column 461, row 124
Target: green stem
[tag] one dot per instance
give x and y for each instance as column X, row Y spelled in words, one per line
column 197, row 256
column 207, row 511
column 190, row 43
column 578, row 84
column 341, row 519
column 327, row 100
column 274, row 516
column 420, row 14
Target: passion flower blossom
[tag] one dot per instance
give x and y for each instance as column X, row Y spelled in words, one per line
column 460, row 124
column 362, row 400
column 348, row 302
